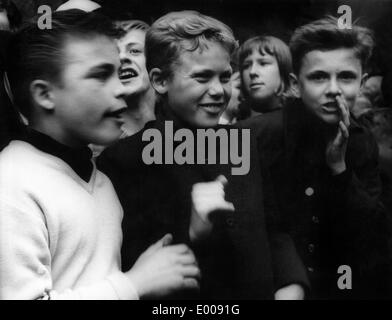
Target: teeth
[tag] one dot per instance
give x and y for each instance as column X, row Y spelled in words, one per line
column 127, row 74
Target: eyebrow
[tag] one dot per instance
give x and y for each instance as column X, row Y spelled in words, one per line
column 109, row 67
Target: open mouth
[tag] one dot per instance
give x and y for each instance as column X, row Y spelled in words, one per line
column 115, row 113
column 331, row 107
column 127, row 73
column 212, row 108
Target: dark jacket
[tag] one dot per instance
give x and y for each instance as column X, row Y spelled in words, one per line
column 334, row 220
column 241, row 259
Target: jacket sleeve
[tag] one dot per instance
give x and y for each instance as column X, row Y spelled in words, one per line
column 360, row 219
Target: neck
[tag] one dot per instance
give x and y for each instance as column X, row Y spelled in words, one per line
column 272, row 103
column 54, row 131
column 140, row 110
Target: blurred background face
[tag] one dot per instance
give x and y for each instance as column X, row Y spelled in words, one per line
column 133, row 73
column 232, row 109
column 4, row 23
column 326, row 74
column 260, row 74
column 199, row 88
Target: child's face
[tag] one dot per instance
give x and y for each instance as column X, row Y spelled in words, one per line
column 88, row 102
column 260, row 74
column 199, row 88
column 235, row 100
column 326, row 74
column 133, row 73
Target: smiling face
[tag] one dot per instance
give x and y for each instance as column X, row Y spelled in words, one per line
column 323, row 75
column 199, row 88
column 89, row 99
column 261, row 77
column 133, row 73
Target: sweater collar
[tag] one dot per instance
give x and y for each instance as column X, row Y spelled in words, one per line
column 79, row 159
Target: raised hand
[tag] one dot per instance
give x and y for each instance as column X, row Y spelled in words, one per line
column 207, row 197
column 336, row 147
column 163, row 269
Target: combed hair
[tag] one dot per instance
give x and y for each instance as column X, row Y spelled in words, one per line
column 325, row 34
column 36, row 53
column 274, row 47
column 124, row 26
column 181, row 31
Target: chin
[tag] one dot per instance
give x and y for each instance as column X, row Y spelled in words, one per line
column 108, row 139
column 330, row 119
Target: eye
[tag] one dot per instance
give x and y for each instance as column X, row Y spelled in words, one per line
column 135, row 51
column 263, row 63
column 347, row 76
column 226, row 77
column 101, row 75
column 246, row 65
column 318, row 76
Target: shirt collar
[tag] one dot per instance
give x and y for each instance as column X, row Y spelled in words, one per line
column 79, row 159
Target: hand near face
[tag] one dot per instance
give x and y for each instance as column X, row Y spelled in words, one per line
column 337, row 146
column 163, row 269
column 207, row 197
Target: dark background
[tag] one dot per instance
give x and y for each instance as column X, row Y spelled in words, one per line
column 251, row 17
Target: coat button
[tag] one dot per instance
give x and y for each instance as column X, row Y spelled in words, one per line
column 309, row 191
column 311, row 247
column 230, row 222
column 315, row 219
column 310, row 269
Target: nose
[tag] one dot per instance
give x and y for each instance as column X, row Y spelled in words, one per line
column 253, row 71
column 333, row 88
column 216, row 89
column 124, row 57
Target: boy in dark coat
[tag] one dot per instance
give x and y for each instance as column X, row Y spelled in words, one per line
column 323, row 165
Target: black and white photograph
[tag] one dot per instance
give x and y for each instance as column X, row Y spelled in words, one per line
column 208, row 151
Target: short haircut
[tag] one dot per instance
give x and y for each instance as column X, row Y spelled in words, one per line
column 124, row 26
column 181, row 31
column 36, row 53
column 274, row 47
column 325, row 35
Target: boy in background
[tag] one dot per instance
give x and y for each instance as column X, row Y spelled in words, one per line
column 324, row 166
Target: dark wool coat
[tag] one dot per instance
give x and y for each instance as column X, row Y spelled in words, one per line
column 334, row 220
column 245, row 258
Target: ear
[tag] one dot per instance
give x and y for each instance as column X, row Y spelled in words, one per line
column 41, row 92
column 158, row 81
column 364, row 78
column 294, row 85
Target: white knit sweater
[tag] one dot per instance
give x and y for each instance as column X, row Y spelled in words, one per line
column 60, row 236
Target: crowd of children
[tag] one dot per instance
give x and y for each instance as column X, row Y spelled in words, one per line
column 78, row 224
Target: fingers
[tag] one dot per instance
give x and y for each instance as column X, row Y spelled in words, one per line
column 190, row 283
column 167, row 239
column 191, row 271
column 222, row 179
column 342, row 134
column 343, row 130
column 164, row 241
column 345, row 113
column 187, row 259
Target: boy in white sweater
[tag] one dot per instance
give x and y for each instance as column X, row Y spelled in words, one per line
column 60, row 219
